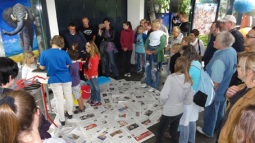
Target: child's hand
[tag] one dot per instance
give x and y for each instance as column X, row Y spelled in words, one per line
column 125, row 49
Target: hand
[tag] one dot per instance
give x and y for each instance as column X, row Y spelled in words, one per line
column 231, row 91
column 84, row 52
column 174, row 21
column 103, row 40
column 125, row 49
column 153, row 52
column 86, row 76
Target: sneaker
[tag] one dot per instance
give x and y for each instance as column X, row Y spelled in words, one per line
column 161, row 69
column 128, row 75
column 62, row 123
column 94, row 103
column 79, row 111
column 199, row 129
column 147, row 64
column 68, row 116
column 151, row 90
column 125, row 74
column 155, row 70
column 145, row 86
column 77, row 107
column 99, row 103
column 116, row 77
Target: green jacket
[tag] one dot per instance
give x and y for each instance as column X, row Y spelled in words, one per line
column 160, row 49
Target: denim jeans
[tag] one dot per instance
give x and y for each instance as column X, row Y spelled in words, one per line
column 109, row 57
column 160, row 65
column 188, row 133
column 139, row 61
column 168, row 67
column 95, row 90
column 164, row 123
column 151, row 76
column 127, row 60
column 212, row 117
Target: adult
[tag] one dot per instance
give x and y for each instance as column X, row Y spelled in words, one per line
column 8, row 72
column 147, row 26
column 73, row 36
column 197, row 43
column 239, row 96
column 214, row 30
column 228, row 23
column 20, row 119
column 164, row 29
column 220, row 69
column 191, row 112
column 87, row 30
column 107, row 48
column 176, row 38
column 184, row 25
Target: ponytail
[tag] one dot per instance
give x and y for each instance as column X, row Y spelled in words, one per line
column 128, row 23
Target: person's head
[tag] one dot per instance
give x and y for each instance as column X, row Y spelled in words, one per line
column 19, row 117
column 57, row 41
column 182, row 17
column 224, row 40
column 194, row 34
column 176, row 48
column 147, row 25
column 8, row 72
column 244, row 128
column 249, row 39
column 185, row 41
column 29, row 58
column 92, row 49
column 140, row 29
column 142, row 21
column 127, row 25
column 107, row 22
column 190, row 52
column 228, row 23
column 246, row 67
column 85, row 21
column 176, row 31
column 72, row 28
column 215, row 28
column 155, row 25
column 75, row 46
column 182, row 65
column 74, row 55
column 160, row 21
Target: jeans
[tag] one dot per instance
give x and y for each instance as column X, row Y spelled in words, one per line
column 212, row 117
column 160, row 65
column 164, row 123
column 188, row 133
column 127, row 60
column 95, row 90
column 140, row 61
column 109, row 57
column 152, row 59
column 151, row 75
column 168, row 67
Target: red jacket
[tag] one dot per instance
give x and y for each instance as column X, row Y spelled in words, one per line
column 127, row 39
column 92, row 67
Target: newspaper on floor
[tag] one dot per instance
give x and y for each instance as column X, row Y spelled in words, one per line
column 120, row 136
column 76, row 135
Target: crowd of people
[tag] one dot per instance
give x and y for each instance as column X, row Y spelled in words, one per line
column 229, row 66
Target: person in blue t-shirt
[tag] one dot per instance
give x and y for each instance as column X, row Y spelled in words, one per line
column 56, row 63
column 140, row 39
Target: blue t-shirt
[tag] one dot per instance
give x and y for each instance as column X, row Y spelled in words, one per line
column 195, row 74
column 139, row 48
column 56, row 61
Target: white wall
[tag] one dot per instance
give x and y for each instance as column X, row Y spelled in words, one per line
column 53, row 22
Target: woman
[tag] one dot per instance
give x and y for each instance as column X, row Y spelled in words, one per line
column 239, row 96
column 107, row 48
column 20, row 118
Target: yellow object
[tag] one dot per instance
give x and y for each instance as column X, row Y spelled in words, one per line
column 19, row 57
column 75, row 102
column 244, row 31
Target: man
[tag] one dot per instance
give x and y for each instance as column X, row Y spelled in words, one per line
column 220, row 69
column 164, row 29
column 88, row 31
column 228, row 23
column 8, row 72
column 184, row 25
column 197, row 43
column 249, row 40
column 147, row 26
column 214, row 30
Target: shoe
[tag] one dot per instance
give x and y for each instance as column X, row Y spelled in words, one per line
column 151, row 89
column 125, row 74
column 199, row 129
column 77, row 107
column 79, row 110
column 155, row 70
column 160, row 69
column 68, row 116
column 116, row 77
column 93, row 103
column 139, row 70
column 99, row 103
column 128, row 75
column 62, row 123
column 145, row 86
column 167, row 135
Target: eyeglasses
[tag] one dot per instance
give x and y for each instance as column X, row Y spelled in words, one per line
column 236, row 66
column 248, row 36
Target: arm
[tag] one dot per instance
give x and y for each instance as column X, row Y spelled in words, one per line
column 172, row 63
column 42, row 62
column 202, row 48
column 167, row 36
column 165, row 92
column 42, row 67
column 82, row 37
column 217, row 74
column 189, row 97
column 216, row 85
column 112, row 36
column 121, row 41
column 161, row 45
column 24, row 72
column 135, row 38
column 131, row 39
column 146, row 43
column 94, row 62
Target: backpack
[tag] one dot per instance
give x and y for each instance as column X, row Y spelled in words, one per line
column 205, row 92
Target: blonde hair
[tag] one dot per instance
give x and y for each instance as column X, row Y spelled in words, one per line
column 143, row 20
column 177, row 47
column 186, row 39
column 93, row 49
column 140, row 26
column 248, row 62
column 57, row 40
column 156, row 23
column 182, row 65
column 176, row 29
column 27, row 56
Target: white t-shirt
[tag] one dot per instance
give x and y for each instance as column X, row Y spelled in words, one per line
column 201, row 44
column 27, row 70
column 155, row 37
column 54, row 140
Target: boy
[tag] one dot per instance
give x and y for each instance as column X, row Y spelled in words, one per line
column 142, row 22
column 140, row 39
column 176, row 48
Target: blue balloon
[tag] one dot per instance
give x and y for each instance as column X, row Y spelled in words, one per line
column 244, row 6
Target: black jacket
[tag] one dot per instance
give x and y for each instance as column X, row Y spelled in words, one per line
column 112, row 35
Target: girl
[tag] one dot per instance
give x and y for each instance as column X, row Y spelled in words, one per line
column 76, row 47
column 176, row 93
column 91, row 73
column 126, row 41
column 176, row 48
column 28, row 64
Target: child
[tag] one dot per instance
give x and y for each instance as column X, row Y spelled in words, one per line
column 140, row 39
column 74, row 72
column 91, row 73
column 185, row 41
column 76, row 47
column 176, row 93
column 28, row 64
column 126, row 41
column 176, row 48
column 142, row 22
